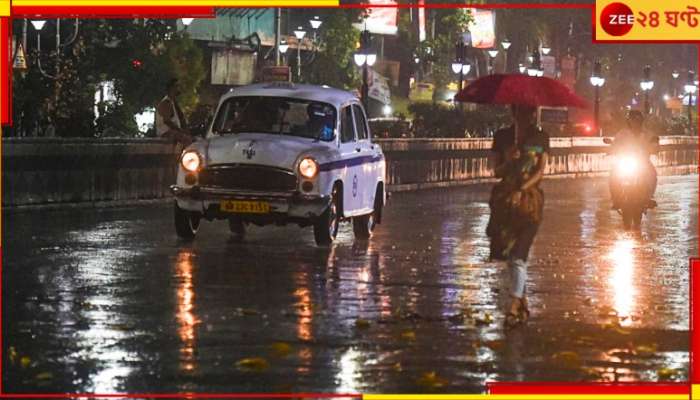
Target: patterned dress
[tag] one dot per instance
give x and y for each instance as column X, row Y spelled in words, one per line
column 512, row 227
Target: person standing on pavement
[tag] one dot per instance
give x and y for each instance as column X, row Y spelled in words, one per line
column 170, row 120
column 519, row 156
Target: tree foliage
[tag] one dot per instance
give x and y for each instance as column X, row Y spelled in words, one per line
column 138, row 56
column 333, row 64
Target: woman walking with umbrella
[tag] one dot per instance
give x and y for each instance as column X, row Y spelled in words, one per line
column 519, row 157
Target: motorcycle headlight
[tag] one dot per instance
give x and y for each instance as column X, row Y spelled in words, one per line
column 191, row 161
column 308, row 168
column 627, row 165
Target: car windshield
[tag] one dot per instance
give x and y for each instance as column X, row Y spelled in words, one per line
column 276, row 115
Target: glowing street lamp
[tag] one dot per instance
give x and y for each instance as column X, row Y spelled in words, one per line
column 315, row 22
column 365, row 58
column 187, row 21
column 505, row 43
column 38, row 24
column 492, row 55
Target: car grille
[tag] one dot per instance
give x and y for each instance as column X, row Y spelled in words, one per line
column 248, row 177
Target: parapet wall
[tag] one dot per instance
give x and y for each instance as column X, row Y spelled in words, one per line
column 39, row 171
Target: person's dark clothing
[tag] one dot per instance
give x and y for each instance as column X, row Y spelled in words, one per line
column 513, row 229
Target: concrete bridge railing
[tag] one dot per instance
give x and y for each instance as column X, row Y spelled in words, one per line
column 423, row 163
column 41, row 171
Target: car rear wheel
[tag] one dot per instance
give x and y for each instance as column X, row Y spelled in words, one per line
column 186, row 223
column 363, row 226
column 326, row 226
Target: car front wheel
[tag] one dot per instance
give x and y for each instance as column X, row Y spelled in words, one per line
column 237, row 228
column 326, row 226
column 186, row 223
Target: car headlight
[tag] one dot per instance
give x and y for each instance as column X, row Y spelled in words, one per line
column 627, row 165
column 308, row 168
column 191, row 161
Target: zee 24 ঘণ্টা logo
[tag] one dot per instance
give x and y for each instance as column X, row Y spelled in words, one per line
column 651, row 20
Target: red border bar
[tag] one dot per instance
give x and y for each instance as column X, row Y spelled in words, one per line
column 467, row 5
column 590, row 388
column 6, row 44
column 112, row 12
column 694, row 317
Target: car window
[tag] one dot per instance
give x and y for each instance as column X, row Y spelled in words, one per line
column 276, row 115
column 360, row 123
column 347, row 128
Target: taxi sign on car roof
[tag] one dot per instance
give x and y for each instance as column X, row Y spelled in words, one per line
column 277, row 74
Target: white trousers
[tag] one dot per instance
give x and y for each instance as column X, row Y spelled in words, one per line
column 518, row 276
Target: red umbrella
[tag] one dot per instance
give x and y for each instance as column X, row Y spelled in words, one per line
column 520, row 89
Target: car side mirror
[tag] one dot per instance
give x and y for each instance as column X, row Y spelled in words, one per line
column 607, row 141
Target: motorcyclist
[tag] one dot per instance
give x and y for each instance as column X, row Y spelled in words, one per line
column 634, row 138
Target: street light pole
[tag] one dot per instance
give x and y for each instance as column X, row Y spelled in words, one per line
column 365, row 58
column 506, row 45
column 299, row 34
column 365, row 87
column 597, row 81
column 647, row 84
column 278, row 26
column 690, row 89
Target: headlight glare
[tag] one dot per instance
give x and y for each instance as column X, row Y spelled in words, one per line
column 308, row 168
column 191, row 161
column 627, row 165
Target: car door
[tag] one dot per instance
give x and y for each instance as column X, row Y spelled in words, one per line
column 367, row 167
column 349, row 151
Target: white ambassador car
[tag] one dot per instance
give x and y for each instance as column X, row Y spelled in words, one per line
column 281, row 153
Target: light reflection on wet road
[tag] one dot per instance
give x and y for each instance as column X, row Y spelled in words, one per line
column 111, row 301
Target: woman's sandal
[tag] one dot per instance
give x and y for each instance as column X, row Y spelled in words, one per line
column 523, row 311
column 512, row 320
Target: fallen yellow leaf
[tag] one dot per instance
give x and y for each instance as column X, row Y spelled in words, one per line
column 254, row 364
column 361, row 323
column 568, row 359
column 44, row 376
column 486, row 319
column 645, row 351
column 12, row 354
column 430, row 380
column 494, row 345
column 622, row 331
column 665, row 374
column 281, row 349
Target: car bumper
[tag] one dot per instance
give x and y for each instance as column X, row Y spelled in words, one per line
column 289, row 204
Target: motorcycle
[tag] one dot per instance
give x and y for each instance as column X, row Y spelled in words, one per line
column 628, row 174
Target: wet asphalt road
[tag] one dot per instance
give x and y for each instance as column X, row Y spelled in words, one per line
column 110, row 301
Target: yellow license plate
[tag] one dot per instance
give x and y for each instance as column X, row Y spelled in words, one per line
column 245, row 207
